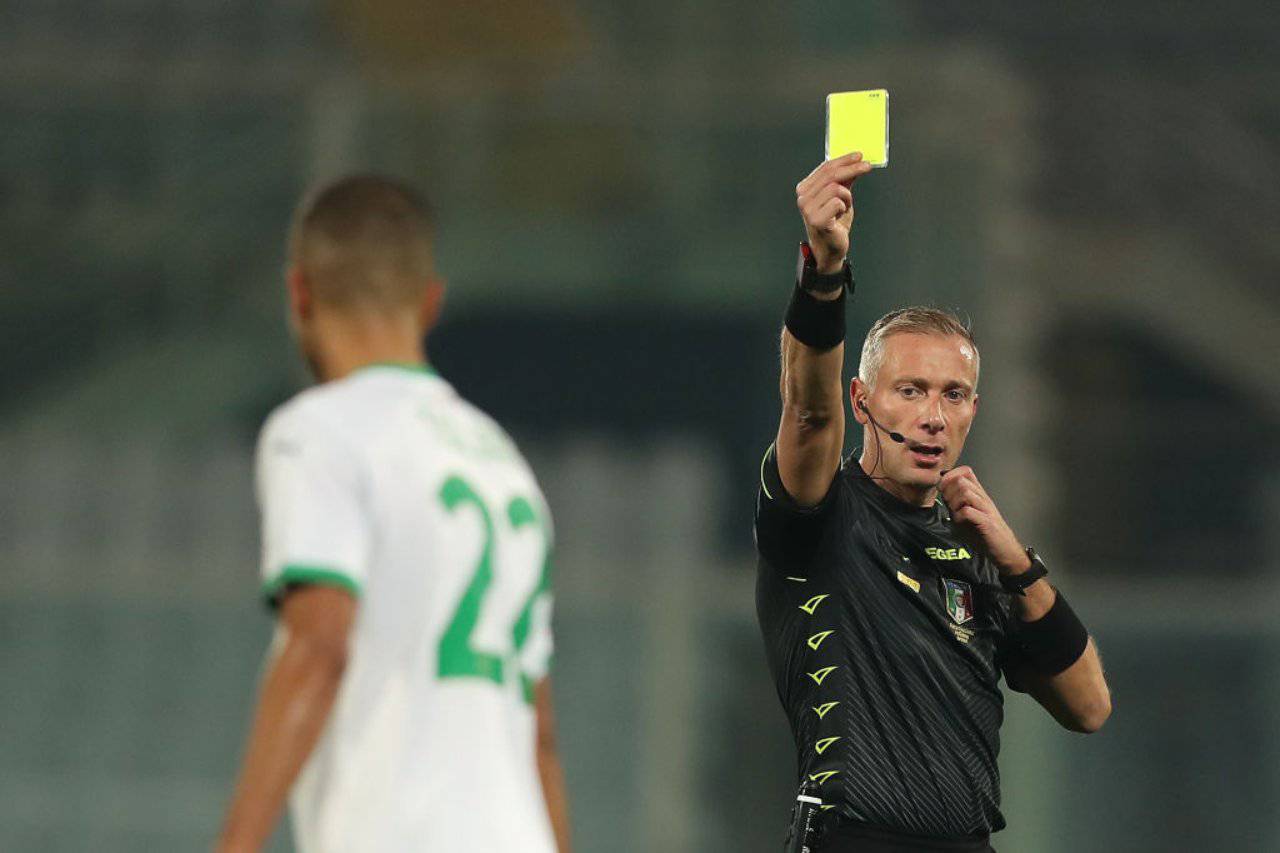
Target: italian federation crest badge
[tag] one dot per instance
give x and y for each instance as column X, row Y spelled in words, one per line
column 959, row 600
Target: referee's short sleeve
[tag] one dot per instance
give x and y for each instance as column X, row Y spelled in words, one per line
column 787, row 534
column 315, row 528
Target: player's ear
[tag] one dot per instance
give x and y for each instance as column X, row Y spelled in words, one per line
column 431, row 305
column 300, row 302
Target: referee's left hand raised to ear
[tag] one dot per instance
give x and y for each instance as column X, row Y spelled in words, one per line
column 825, row 200
column 972, row 507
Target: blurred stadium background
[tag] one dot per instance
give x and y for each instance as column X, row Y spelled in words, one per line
column 1098, row 186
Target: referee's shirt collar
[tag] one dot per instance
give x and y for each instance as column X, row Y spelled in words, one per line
column 887, row 499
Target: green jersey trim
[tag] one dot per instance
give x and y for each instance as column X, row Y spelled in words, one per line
column 297, row 574
column 412, row 367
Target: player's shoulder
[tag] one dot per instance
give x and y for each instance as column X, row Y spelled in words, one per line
column 312, row 408
column 490, row 440
column 354, row 404
column 479, row 436
column 329, row 410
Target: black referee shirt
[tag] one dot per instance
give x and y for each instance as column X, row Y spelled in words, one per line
column 886, row 635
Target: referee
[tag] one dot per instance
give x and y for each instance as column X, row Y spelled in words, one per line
column 892, row 594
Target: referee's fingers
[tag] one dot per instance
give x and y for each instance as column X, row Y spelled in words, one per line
column 957, row 497
column 969, row 515
column 819, row 175
column 970, row 480
column 842, row 170
column 825, row 214
column 822, row 194
column 956, row 477
column 959, row 493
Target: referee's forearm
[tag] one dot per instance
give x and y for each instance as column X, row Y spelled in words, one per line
column 1036, row 602
column 811, row 383
column 811, row 428
column 812, row 347
column 1077, row 696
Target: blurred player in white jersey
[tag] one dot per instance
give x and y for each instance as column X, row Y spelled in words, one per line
column 406, row 704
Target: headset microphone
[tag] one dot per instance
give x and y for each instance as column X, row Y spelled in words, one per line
column 896, row 436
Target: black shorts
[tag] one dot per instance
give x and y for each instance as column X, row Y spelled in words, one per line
column 863, row 838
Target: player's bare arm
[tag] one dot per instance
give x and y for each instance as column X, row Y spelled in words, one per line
column 1078, row 697
column 811, row 432
column 298, row 692
column 549, row 768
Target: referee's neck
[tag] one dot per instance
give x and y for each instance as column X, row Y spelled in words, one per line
column 909, row 493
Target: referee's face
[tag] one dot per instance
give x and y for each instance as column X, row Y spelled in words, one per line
column 925, row 389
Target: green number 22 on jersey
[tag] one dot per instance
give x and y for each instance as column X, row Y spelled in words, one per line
column 458, row 658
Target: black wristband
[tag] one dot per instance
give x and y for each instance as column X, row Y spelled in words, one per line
column 1054, row 641
column 817, row 323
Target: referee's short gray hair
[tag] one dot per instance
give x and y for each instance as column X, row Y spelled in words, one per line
column 920, row 320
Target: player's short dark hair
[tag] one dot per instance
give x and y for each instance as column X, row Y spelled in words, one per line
column 916, row 319
column 364, row 240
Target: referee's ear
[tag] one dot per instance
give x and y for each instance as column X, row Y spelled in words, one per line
column 857, row 394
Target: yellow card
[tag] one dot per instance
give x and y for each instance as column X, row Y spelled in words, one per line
column 859, row 121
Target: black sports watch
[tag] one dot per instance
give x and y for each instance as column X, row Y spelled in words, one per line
column 808, row 277
column 1017, row 584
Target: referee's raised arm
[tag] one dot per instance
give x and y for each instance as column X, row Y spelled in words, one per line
column 811, row 432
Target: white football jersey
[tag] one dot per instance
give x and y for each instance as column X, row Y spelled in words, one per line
column 390, row 485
